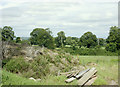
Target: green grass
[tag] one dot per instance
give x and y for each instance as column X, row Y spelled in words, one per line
column 13, row 79
column 57, row 80
column 107, row 67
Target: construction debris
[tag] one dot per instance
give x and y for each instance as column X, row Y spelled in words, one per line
column 82, row 73
column 77, row 76
column 91, row 81
column 31, row 78
column 86, row 77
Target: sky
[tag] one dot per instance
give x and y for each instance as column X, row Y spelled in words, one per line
column 74, row 17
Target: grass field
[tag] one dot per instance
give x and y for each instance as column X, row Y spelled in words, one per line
column 13, row 79
column 107, row 67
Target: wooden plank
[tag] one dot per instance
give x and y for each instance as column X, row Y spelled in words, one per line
column 86, row 76
column 76, row 73
column 70, row 80
column 73, row 74
column 69, row 75
column 91, row 81
column 81, row 73
column 76, row 77
column 93, row 76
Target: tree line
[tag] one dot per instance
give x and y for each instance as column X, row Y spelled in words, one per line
column 43, row 37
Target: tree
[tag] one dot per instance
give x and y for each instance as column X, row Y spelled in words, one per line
column 114, row 37
column 7, row 33
column 42, row 37
column 72, row 41
column 74, row 44
column 60, row 40
column 18, row 40
column 76, row 39
column 111, row 47
column 7, row 36
column 101, row 41
column 68, row 41
column 113, row 34
column 88, row 40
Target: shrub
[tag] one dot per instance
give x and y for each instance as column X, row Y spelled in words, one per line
column 89, row 51
column 17, row 65
column 5, row 61
column 39, row 67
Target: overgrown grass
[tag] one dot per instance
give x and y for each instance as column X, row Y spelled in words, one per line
column 13, row 79
column 107, row 67
column 57, row 80
column 40, row 66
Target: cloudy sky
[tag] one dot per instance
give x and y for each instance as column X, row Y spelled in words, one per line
column 74, row 17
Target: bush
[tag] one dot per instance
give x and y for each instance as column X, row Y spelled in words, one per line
column 39, row 67
column 17, row 65
column 5, row 61
column 89, row 51
column 25, row 43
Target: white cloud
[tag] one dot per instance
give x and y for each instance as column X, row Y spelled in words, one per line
column 72, row 17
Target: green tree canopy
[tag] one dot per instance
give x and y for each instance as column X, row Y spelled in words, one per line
column 42, row 37
column 111, row 47
column 75, row 38
column 72, row 41
column 102, row 41
column 114, row 37
column 60, row 40
column 68, row 40
column 88, row 40
column 7, row 33
column 113, row 34
column 18, row 40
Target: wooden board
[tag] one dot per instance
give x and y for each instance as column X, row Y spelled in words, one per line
column 93, row 76
column 76, row 73
column 70, row 80
column 69, row 75
column 81, row 73
column 91, row 81
column 86, row 76
column 76, row 77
